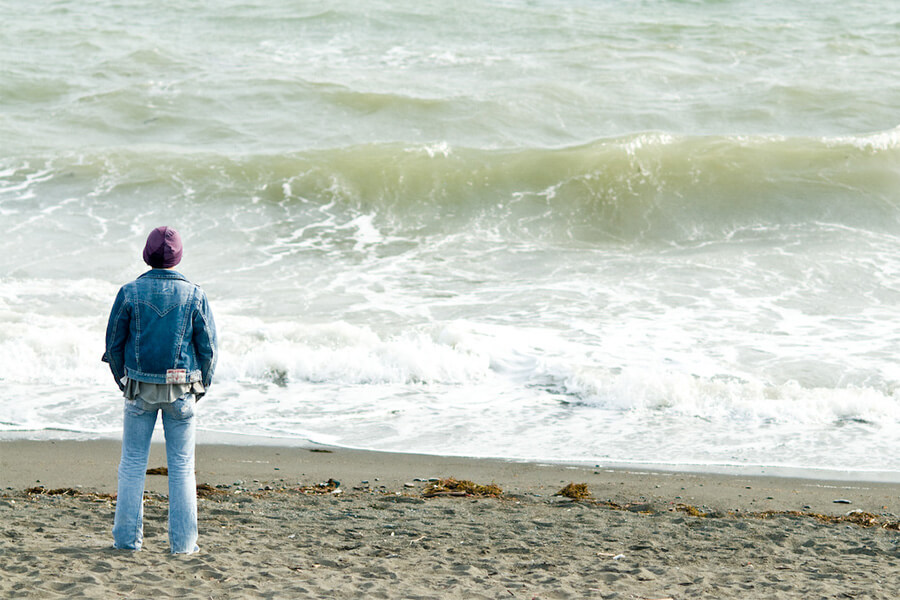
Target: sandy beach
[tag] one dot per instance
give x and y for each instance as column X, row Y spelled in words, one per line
column 308, row 522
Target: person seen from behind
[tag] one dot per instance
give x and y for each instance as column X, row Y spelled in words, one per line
column 161, row 349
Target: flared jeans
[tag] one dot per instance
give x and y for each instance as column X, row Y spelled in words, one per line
column 178, row 424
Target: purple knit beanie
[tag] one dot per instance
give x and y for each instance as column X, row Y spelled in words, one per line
column 163, row 248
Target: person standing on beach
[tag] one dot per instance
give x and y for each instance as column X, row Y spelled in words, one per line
column 161, row 349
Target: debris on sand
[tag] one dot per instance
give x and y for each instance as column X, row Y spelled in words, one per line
column 575, row 491
column 42, row 491
column 856, row 517
column 332, row 486
column 204, row 490
column 455, row 487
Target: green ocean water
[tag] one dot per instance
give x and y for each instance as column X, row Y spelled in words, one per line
column 659, row 232
column 236, row 77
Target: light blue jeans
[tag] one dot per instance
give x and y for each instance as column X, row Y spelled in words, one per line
column 178, row 424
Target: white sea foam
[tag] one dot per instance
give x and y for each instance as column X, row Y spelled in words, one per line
column 881, row 140
column 366, row 233
column 340, row 353
column 17, row 185
column 652, row 140
column 460, row 353
column 432, row 150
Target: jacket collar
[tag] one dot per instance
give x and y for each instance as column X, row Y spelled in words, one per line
column 163, row 274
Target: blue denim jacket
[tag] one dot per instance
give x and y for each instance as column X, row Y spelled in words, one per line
column 161, row 330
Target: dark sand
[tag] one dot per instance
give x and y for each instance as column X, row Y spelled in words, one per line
column 264, row 535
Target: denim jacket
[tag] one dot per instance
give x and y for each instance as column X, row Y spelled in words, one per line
column 161, row 330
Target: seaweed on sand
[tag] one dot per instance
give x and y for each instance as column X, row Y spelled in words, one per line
column 575, row 491
column 464, row 487
column 863, row 519
column 204, row 490
column 42, row 491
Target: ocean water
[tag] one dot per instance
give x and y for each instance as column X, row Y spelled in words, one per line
column 650, row 232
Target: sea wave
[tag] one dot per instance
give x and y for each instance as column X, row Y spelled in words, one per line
column 646, row 186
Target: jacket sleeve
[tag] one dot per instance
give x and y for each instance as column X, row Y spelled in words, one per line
column 117, row 330
column 205, row 341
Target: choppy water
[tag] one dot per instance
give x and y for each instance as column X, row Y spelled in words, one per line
column 659, row 232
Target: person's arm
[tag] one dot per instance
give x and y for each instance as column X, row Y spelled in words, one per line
column 117, row 331
column 205, row 342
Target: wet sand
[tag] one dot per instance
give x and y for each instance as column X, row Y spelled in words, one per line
column 267, row 530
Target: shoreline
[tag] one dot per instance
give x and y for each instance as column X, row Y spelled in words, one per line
column 269, row 529
column 213, row 439
column 92, row 465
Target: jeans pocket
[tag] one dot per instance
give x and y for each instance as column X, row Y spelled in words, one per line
column 133, row 407
column 183, row 408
